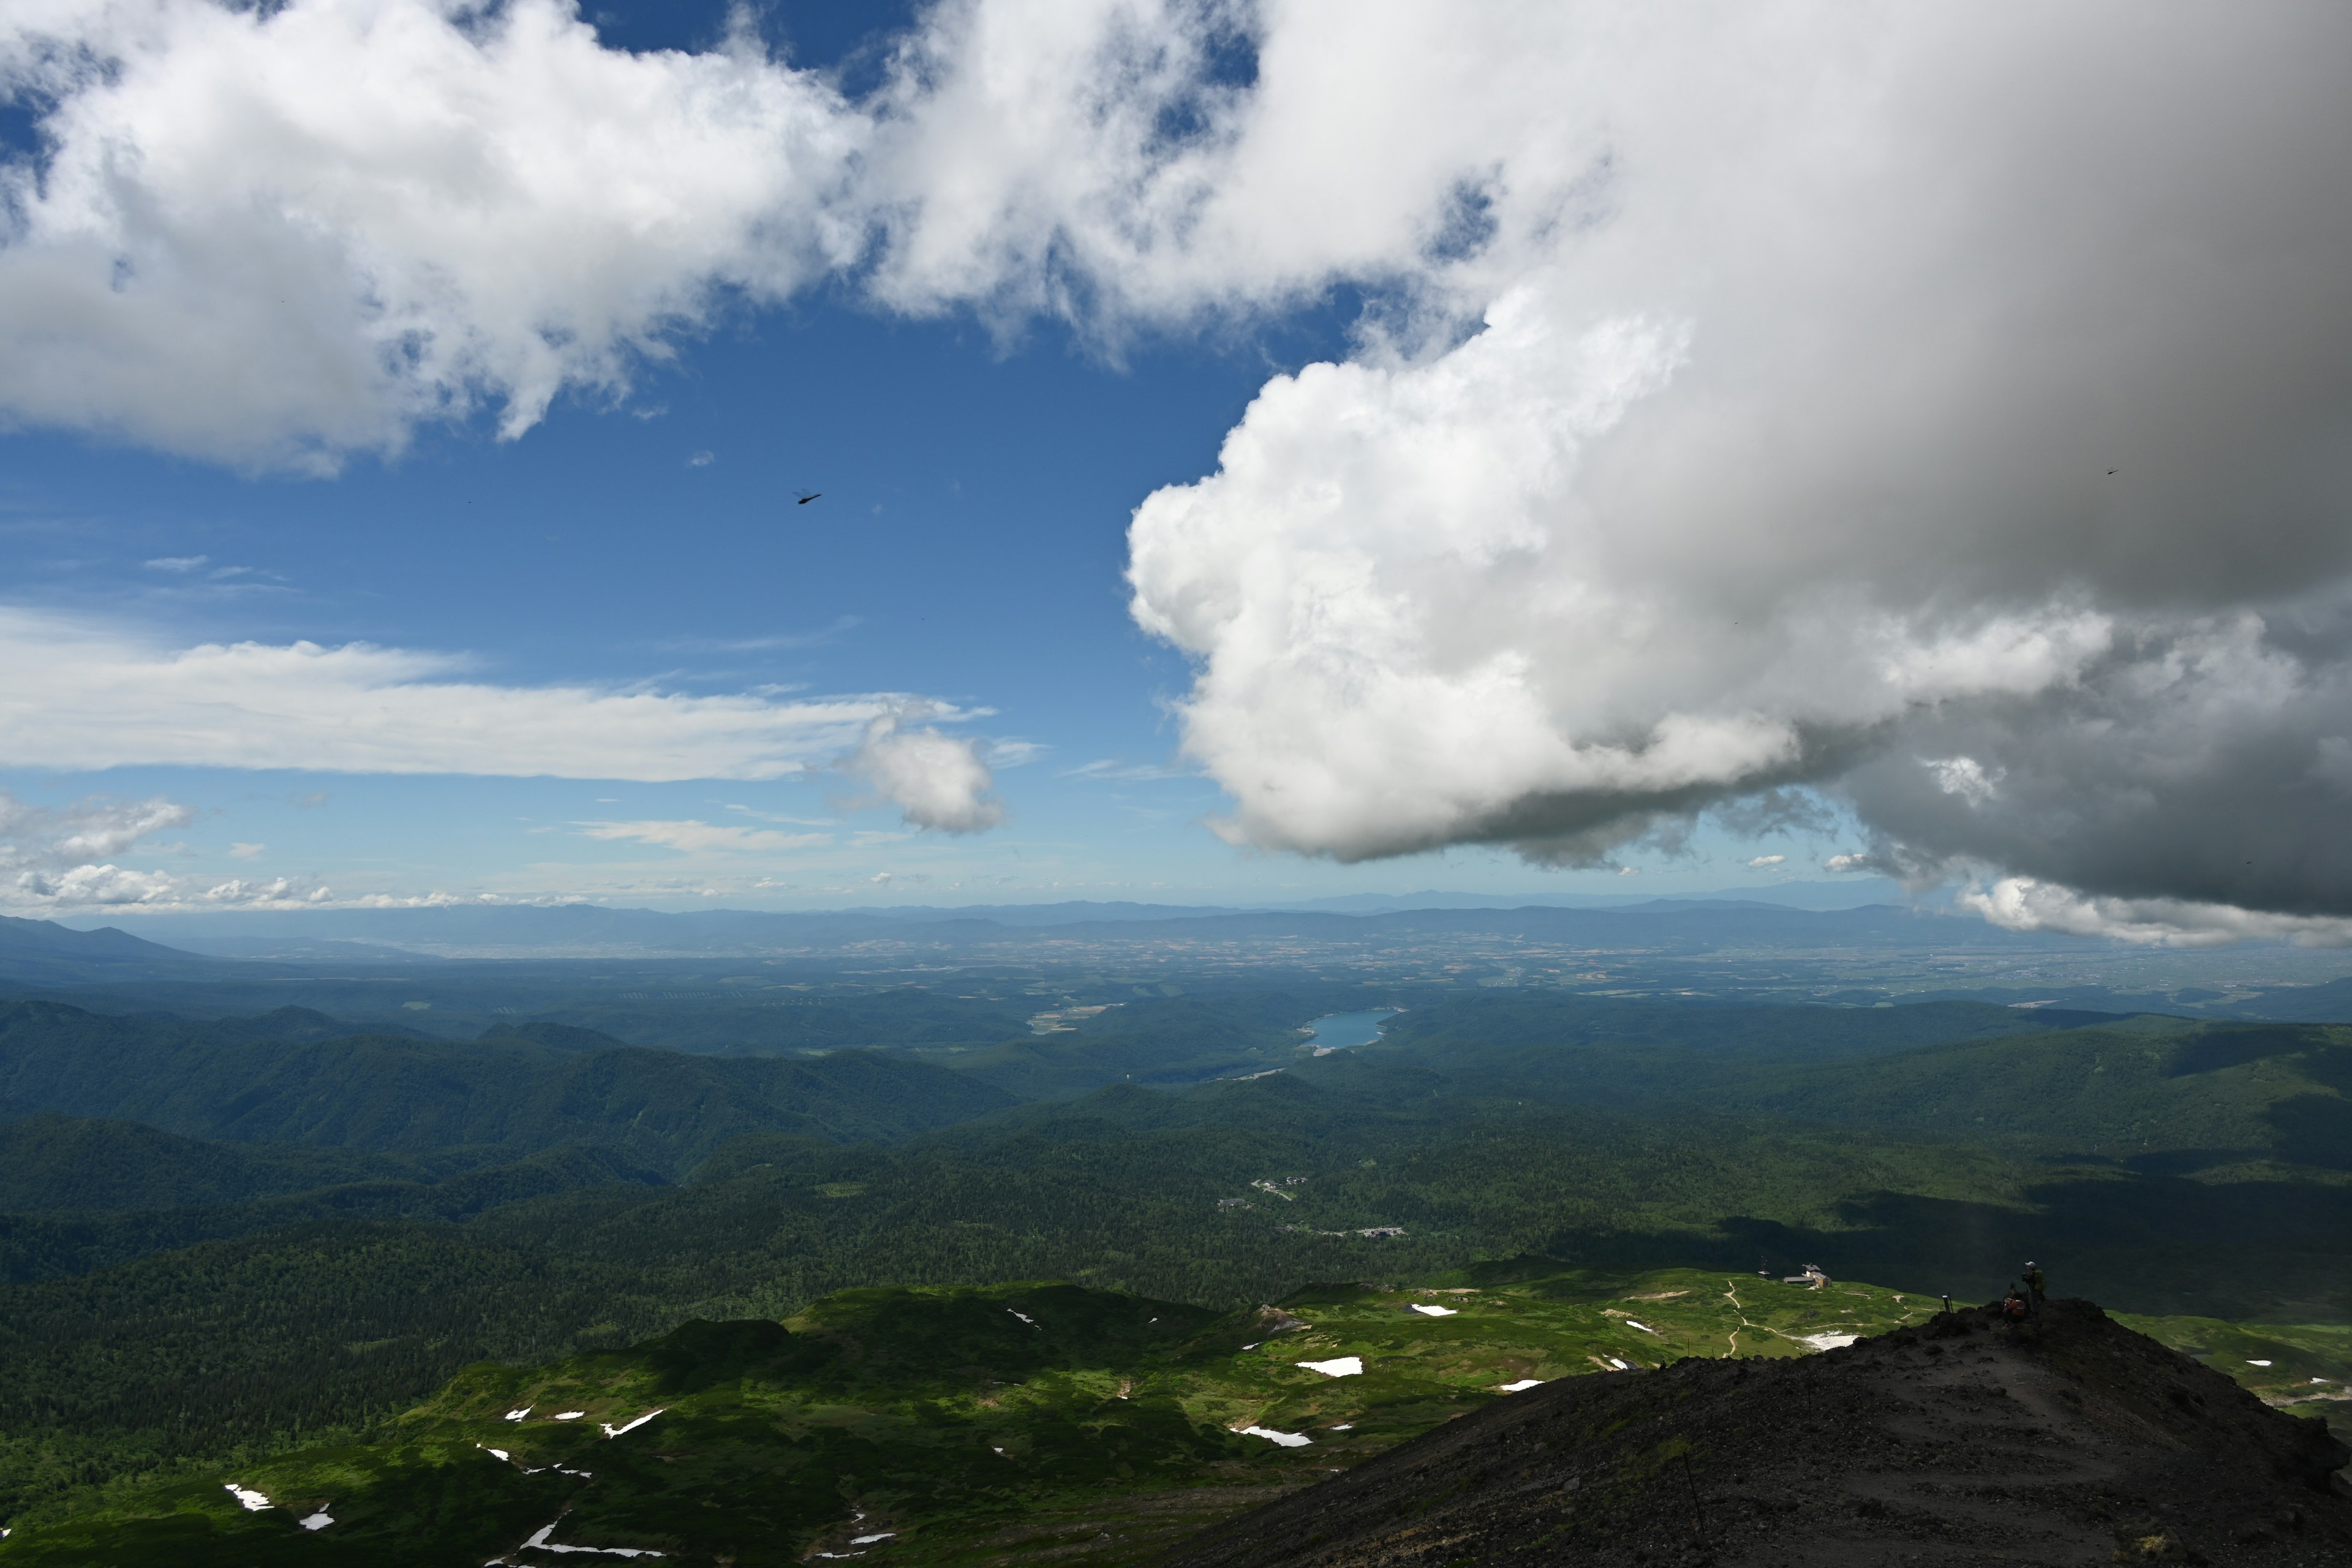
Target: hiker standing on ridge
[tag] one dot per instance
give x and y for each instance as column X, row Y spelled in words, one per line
column 2037, row 1282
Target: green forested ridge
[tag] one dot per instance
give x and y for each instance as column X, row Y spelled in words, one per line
column 35, row 1246
column 232, row 1081
column 63, row 1164
column 2160, row 1166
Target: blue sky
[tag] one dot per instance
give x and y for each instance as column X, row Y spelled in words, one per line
column 1568, row 540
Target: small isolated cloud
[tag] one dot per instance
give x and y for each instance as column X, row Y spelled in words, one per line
column 694, row 837
column 1766, row 862
column 181, row 564
column 246, row 851
column 1627, row 871
column 1850, row 863
column 701, row 459
column 938, row 780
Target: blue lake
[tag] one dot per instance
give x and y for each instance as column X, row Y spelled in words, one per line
column 1339, row 1030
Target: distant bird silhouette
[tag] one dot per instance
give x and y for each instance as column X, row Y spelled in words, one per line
column 808, row 498
column 2111, row 473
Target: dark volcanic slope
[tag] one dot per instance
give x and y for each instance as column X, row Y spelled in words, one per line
column 1959, row 1442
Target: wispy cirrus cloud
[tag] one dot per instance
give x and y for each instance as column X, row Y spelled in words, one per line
column 695, row 838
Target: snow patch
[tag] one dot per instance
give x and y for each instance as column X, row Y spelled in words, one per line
column 570, row 1415
column 1522, row 1385
column 870, row 1540
column 1433, row 1312
column 319, row 1521
column 1287, row 1439
column 1827, row 1341
column 251, row 1501
column 1339, row 1367
column 498, row 1453
column 612, row 1431
column 1644, row 1327
column 2258, row 1364
column 540, row 1543
column 515, row 1415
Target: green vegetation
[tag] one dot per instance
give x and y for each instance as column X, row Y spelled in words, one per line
column 276, row 1079
column 968, row 1423
column 2305, row 1369
column 389, row 1208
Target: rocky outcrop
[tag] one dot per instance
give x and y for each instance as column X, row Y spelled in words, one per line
column 1962, row 1441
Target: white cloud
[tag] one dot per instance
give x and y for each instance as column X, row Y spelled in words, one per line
column 1759, row 395
column 181, row 564
column 2023, row 903
column 58, row 857
column 1782, row 452
column 938, row 780
column 1965, row 777
column 86, row 695
column 273, row 234
column 1766, row 862
column 698, row 838
column 246, row 851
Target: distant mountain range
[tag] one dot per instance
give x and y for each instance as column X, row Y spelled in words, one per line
column 365, row 936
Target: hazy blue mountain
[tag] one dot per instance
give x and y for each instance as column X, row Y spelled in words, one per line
column 42, row 952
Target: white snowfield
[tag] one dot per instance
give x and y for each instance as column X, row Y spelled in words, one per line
column 1644, row 1327
column 1620, row 1364
column 252, row 1501
column 518, row 1414
column 2258, row 1364
column 1433, row 1312
column 1028, row 1320
column 870, row 1540
column 570, row 1415
column 1522, row 1385
column 541, row 1542
column 612, row 1431
column 1339, row 1367
column 1828, row 1342
column 498, row 1453
column 1287, row 1439
column 319, row 1521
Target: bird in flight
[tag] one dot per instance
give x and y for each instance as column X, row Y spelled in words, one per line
column 2111, row 473
column 807, row 496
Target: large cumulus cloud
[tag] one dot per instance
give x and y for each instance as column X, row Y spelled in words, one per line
column 1952, row 411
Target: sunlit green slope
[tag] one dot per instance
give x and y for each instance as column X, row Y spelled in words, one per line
column 956, row 1425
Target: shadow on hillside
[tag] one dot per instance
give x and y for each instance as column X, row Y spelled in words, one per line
column 2247, row 1250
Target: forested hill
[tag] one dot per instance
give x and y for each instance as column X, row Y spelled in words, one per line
column 276, row 1079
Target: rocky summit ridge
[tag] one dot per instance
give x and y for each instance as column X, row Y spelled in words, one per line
column 2072, row 1441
